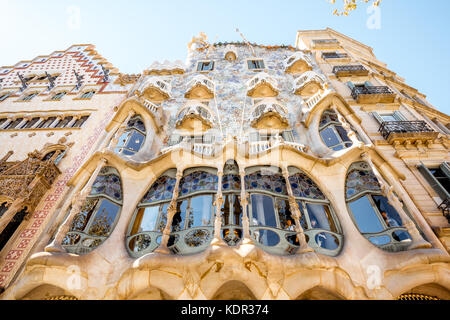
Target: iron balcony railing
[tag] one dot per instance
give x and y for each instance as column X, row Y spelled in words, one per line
column 389, row 127
column 383, row 90
column 350, row 69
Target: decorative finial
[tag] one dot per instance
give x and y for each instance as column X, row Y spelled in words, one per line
column 105, row 74
column 24, row 82
column 79, row 80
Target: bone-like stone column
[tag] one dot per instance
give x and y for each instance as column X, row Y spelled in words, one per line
column 350, row 133
column 217, row 240
column 77, row 202
column 417, row 240
column 296, row 215
column 171, row 210
column 120, row 131
column 244, row 202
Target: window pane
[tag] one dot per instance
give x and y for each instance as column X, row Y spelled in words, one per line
column 104, row 218
column 179, row 216
column 79, row 222
column 320, row 217
column 149, row 216
column 303, row 222
column 163, row 220
column 284, row 214
column 329, row 137
column 365, row 216
column 263, row 213
column 135, row 141
column 231, row 210
column 201, row 210
column 388, row 212
column 342, row 133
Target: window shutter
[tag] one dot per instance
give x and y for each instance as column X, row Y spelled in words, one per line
column 433, row 182
column 399, row 116
column 261, row 64
column 250, row 64
column 378, row 117
column 199, row 66
column 445, row 169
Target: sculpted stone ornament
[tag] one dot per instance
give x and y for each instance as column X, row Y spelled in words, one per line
column 23, row 81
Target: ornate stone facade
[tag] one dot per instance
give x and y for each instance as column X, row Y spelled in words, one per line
column 249, row 172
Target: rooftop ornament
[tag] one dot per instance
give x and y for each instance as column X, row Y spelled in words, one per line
column 79, row 80
column 51, row 81
column 23, row 81
column 105, row 74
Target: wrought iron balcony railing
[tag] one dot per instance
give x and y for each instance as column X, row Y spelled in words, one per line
column 350, row 70
column 383, row 90
column 389, row 127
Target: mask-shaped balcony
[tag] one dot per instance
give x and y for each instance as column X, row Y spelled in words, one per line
column 154, row 89
column 269, row 115
column 309, row 83
column 262, row 85
column 200, row 87
column 195, row 117
column 298, row 63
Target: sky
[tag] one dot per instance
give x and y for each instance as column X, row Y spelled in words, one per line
column 410, row 36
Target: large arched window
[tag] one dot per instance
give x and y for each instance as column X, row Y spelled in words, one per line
column 375, row 218
column 271, row 224
column 131, row 141
column 318, row 220
column 98, row 215
column 231, row 210
column 332, row 132
column 192, row 225
column 150, row 219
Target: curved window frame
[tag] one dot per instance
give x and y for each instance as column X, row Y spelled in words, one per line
column 130, row 133
column 178, row 239
column 332, row 127
column 314, row 236
column 394, row 245
column 149, row 239
column 287, row 243
column 96, row 202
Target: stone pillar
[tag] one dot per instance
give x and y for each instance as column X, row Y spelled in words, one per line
column 217, row 240
column 15, row 207
column 77, row 202
column 351, row 134
column 57, row 120
column 441, row 126
column 120, row 131
column 417, row 240
column 7, row 122
column 244, row 202
column 171, row 210
column 296, row 215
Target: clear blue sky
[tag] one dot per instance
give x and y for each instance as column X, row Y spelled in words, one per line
column 413, row 36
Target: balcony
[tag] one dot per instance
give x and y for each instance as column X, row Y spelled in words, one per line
column 309, row 83
column 200, row 87
column 257, row 147
column 262, row 85
column 350, row 70
column 373, row 94
column 298, row 63
column 269, row 115
column 407, row 131
column 155, row 89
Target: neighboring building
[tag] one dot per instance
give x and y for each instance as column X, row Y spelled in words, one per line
column 250, row 172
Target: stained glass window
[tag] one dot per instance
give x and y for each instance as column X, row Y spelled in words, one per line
column 161, row 189
column 197, row 181
column 97, row 216
column 304, row 187
column 361, row 178
column 272, row 182
column 371, row 210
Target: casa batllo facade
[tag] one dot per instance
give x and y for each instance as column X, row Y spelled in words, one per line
column 247, row 172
